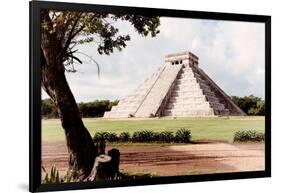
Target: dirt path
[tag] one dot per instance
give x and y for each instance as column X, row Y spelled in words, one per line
column 173, row 160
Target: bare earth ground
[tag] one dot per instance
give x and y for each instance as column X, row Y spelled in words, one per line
column 172, row 160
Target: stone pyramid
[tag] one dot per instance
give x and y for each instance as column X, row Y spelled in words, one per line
column 179, row 88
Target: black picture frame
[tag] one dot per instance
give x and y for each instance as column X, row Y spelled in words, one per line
column 35, row 95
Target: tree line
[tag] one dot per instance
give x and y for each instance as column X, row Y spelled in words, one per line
column 89, row 109
column 251, row 105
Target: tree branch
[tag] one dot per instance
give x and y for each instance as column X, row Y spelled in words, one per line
column 91, row 59
column 70, row 35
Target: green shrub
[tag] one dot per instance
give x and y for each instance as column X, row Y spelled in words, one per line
column 112, row 137
column 155, row 137
column 183, row 136
column 101, row 136
column 144, row 136
column 248, row 136
column 124, row 136
column 166, row 136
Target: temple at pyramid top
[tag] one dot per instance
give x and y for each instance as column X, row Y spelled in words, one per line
column 179, row 88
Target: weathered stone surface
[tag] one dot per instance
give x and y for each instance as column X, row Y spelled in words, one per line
column 179, row 88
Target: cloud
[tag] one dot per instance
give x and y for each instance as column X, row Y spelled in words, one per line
column 236, row 57
column 231, row 53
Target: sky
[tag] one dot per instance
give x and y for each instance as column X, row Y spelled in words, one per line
column 231, row 53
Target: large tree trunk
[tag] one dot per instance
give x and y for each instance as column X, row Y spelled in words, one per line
column 81, row 147
column 79, row 141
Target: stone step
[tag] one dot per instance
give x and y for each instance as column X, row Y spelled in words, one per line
column 212, row 98
column 218, row 106
column 201, row 98
column 187, row 106
column 187, row 75
column 129, row 107
column 205, row 87
column 191, row 75
column 197, row 74
column 209, row 93
column 188, row 78
column 186, row 81
column 110, row 114
column 192, row 86
column 203, row 112
column 188, row 103
column 187, row 92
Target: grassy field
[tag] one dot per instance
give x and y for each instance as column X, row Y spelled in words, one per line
column 211, row 128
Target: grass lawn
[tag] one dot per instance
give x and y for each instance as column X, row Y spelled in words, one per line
column 210, row 128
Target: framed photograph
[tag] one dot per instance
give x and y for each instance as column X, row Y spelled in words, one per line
column 127, row 96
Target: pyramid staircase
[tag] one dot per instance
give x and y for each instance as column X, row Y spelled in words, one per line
column 128, row 106
column 179, row 88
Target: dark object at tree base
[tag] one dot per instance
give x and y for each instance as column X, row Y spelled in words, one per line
column 106, row 166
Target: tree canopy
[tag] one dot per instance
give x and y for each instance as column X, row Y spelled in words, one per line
column 73, row 28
